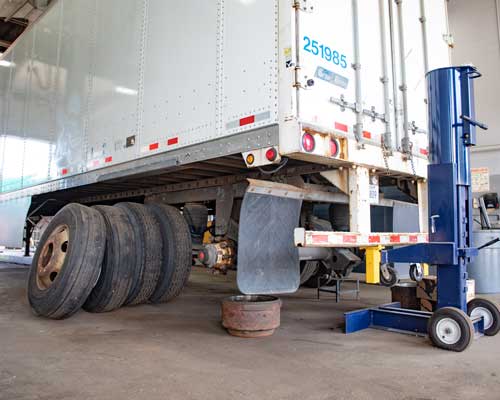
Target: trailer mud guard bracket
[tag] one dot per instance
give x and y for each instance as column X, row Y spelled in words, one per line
column 268, row 261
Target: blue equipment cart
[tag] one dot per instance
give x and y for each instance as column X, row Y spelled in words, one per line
column 452, row 131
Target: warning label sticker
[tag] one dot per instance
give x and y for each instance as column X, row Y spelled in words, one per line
column 288, row 57
column 480, row 179
column 374, row 189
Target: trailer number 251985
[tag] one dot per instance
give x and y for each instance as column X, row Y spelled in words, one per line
column 325, row 52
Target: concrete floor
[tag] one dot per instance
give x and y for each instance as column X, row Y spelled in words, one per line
column 180, row 351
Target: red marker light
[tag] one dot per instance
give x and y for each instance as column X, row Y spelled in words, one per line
column 271, row 154
column 334, row 148
column 308, row 142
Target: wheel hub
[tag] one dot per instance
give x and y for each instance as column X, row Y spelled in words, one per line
column 52, row 257
column 448, row 331
column 485, row 313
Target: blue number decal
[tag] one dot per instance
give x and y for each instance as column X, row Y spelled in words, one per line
column 315, row 49
column 343, row 61
column 336, row 58
column 326, row 53
column 308, row 44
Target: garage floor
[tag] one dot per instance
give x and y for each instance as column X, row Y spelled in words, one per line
column 180, row 351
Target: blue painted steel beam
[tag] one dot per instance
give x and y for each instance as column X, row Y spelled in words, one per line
column 430, row 253
column 478, row 323
column 394, row 318
column 400, row 320
column 390, row 317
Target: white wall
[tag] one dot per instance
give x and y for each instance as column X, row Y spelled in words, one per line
column 475, row 28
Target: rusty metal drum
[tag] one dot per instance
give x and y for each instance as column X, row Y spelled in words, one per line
column 251, row 316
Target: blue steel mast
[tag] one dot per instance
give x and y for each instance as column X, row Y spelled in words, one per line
column 452, row 131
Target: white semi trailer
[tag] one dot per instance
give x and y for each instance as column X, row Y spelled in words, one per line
column 254, row 111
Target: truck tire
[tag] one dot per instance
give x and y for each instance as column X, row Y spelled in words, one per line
column 118, row 266
column 67, row 262
column 308, row 270
column 196, row 216
column 321, row 273
column 147, row 245
column 339, row 217
column 177, row 258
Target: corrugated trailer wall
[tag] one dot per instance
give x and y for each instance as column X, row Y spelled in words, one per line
column 27, row 79
column 97, row 83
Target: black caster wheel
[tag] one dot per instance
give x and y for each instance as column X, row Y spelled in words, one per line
column 388, row 275
column 416, row 272
column 490, row 312
column 451, row 329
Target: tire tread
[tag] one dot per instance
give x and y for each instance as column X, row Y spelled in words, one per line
column 177, row 257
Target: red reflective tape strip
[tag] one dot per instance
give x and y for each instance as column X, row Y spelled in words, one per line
column 341, row 127
column 367, row 135
column 350, row 239
column 247, row 121
column 154, row 146
column 413, row 239
column 395, row 239
column 424, row 152
column 108, row 159
column 64, row 171
column 374, row 239
column 319, row 239
column 172, row 141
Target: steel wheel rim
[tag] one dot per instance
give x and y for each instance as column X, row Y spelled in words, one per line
column 448, row 330
column 52, row 257
column 485, row 313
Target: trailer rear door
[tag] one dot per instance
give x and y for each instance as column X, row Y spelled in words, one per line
column 338, row 37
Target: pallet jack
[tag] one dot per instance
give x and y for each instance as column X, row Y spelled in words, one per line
column 452, row 131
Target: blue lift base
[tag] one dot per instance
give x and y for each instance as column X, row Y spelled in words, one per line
column 391, row 317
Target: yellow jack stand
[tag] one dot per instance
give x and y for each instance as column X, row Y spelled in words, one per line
column 372, row 260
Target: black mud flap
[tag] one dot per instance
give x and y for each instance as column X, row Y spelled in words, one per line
column 268, row 261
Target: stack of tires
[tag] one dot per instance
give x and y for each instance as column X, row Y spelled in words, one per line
column 102, row 258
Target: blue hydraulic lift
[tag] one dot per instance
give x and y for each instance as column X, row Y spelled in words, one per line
column 452, row 131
